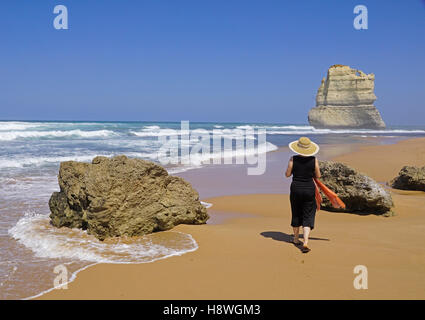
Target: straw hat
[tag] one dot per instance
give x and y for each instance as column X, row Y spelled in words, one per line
column 304, row 146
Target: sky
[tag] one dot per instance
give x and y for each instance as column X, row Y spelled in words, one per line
column 204, row 60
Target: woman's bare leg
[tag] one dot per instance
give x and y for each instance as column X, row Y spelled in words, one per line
column 306, row 234
column 296, row 235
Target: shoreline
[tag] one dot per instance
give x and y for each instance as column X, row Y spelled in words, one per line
column 266, row 210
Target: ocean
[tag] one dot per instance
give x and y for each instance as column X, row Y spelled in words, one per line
column 30, row 154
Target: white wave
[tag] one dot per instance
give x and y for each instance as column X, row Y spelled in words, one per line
column 374, row 136
column 224, row 133
column 198, row 159
column 300, row 132
column 12, row 135
column 306, row 129
column 244, row 152
column 343, row 131
column 206, row 204
column 291, row 127
column 76, row 124
column 17, row 125
column 195, row 159
column 246, row 127
column 236, row 134
column 182, row 168
column 71, row 279
column 218, row 126
column 35, row 232
column 157, row 133
column 272, row 127
column 40, row 161
column 148, row 128
column 24, row 125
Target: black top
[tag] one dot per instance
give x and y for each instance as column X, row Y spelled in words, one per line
column 303, row 169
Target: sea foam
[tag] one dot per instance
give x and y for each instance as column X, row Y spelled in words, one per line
column 43, row 160
column 77, row 133
column 17, row 125
column 35, row 232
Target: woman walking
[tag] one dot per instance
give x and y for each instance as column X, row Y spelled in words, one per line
column 303, row 167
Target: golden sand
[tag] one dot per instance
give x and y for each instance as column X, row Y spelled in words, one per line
column 252, row 257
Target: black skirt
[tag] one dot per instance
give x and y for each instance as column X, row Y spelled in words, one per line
column 303, row 204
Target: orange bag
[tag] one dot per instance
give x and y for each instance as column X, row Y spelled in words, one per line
column 333, row 198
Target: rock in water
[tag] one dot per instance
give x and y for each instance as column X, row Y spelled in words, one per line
column 119, row 196
column 410, row 178
column 360, row 193
column 345, row 100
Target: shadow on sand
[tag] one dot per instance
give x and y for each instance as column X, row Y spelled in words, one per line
column 284, row 237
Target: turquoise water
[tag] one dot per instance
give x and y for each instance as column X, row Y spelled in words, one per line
column 31, row 152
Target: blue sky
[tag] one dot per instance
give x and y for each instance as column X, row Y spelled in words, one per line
column 204, row 60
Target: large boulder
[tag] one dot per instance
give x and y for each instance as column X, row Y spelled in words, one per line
column 345, row 100
column 360, row 193
column 410, row 178
column 119, row 196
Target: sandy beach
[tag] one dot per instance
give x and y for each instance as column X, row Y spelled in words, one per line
column 145, row 148
column 247, row 254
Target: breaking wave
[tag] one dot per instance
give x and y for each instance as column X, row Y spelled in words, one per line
column 42, row 160
column 35, row 232
column 77, row 133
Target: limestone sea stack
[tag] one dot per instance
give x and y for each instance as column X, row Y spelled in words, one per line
column 345, row 100
column 118, row 196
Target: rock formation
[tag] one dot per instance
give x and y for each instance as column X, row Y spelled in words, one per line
column 345, row 100
column 360, row 193
column 410, row 178
column 122, row 197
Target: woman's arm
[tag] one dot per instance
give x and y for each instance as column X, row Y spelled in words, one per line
column 289, row 169
column 317, row 169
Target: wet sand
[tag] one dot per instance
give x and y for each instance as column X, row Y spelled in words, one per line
column 250, row 256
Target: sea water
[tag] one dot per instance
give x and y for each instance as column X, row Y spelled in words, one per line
column 30, row 154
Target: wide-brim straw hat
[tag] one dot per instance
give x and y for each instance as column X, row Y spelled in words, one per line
column 304, row 146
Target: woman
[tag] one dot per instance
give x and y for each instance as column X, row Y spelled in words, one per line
column 303, row 167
